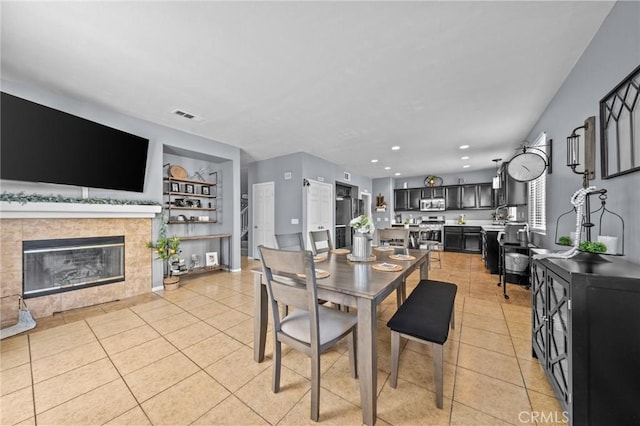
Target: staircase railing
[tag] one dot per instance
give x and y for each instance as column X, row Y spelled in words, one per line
column 244, row 221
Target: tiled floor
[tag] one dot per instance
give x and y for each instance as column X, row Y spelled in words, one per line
column 185, row 357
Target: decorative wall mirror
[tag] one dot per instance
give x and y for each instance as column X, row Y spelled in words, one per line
column 620, row 128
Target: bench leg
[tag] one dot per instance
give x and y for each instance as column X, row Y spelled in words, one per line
column 395, row 357
column 438, row 372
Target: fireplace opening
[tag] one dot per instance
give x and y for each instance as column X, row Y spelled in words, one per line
column 56, row 266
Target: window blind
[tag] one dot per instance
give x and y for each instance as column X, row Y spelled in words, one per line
column 537, row 194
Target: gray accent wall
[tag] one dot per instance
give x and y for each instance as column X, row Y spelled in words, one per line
column 289, row 195
column 158, row 136
column 612, row 54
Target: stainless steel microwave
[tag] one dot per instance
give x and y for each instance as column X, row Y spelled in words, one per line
column 432, row 205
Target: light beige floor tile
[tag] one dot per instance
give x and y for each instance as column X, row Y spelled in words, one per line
column 409, row 404
column 82, row 313
column 59, row 340
column 491, row 396
column 492, row 324
column 227, row 319
column 192, row 334
column 258, row 395
column 418, row 369
column 231, row 411
column 160, row 313
column 135, row 416
column 208, row 310
column 151, row 305
column 461, row 415
column 500, row 366
column 98, row 406
column 64, row 387
column 194, row 302
column 535, row 377
column 478, row 307
column 242, row 332
column 16, row 407
column 186, row 401
column 237, row 368
column 519, row 330
column 333, row 411
column 112, row 316
column 14, row 342
column 180, row 295
column 519, row 314
column 173, row 323
column 216, row 292
column 546, row 409
column 109, row 328
column 487, row 340
column 523, row 348
column 14, row 357
column 339, row 381
column 162, row 374
column 62, row 362
column 142, row 355
column 14, row 379
column 210, row 350
column 128, row 339
column 236, row 300
column 301, row 363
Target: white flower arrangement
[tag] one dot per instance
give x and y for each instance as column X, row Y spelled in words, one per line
column 363, row 224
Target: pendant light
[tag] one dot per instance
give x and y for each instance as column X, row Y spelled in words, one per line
column 496, row 179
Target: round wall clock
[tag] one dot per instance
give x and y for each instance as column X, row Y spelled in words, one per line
column 526, row 166
column 433, row 181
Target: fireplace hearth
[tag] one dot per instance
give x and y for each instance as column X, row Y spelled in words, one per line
column 61, row 265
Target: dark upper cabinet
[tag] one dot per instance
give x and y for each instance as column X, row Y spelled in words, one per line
column 452, row 198
column 511, row 192
column 485, row 196
column 414, row 198
column 433, row 192
column 400, row 199
column 468, row 196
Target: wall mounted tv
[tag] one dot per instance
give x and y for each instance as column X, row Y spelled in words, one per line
column 42, row 144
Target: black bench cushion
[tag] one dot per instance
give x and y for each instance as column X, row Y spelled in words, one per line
column 427, row 312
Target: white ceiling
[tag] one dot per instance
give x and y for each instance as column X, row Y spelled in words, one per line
column 341, row 80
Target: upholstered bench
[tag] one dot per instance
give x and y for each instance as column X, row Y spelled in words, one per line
column 425, row 316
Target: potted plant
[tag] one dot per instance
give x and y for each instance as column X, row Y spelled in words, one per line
column 364, row 228
column 166, row 248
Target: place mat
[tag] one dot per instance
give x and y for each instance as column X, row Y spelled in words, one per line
column 341, row 251
column 319, row 258
column 387, row 267
column 320, row 273
column 402, row 257
column 384, row 248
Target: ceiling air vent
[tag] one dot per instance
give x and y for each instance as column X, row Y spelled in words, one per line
column 186, row 115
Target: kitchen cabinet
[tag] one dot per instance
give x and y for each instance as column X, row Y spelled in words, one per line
column 584, row 334
column 490, row 251
column 511, row 192
column 466, row 239
column 452, row 198
column 485, row 196
column 407, row 199
column 468, row 196
column 433, row 192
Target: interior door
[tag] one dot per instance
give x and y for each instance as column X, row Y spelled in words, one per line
column 263, row 216
column 319, row 207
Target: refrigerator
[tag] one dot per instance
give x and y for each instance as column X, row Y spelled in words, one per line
column 347, row 208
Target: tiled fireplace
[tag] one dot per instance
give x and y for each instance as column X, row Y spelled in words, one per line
column 137, row 261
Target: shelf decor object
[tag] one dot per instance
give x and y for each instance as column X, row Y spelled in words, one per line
column 620, row 128
column 432, row 181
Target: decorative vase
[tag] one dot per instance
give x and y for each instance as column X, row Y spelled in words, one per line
column 361, row 246
column 171, row 283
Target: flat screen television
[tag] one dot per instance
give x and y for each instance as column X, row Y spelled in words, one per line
column 42, row 144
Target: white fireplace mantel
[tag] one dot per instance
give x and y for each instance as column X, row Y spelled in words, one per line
column 34, row 210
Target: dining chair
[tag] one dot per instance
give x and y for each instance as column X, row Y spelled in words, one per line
column 394, row 237
column 291, row 242
column 311, row 328
column 320, row 241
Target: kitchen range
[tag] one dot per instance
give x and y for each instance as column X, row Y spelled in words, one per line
column 423, row 229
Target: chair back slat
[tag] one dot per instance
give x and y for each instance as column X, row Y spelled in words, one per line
column 290, row 242
column 320, row 241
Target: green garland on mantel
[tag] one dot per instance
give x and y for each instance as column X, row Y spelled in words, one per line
column 23, row 198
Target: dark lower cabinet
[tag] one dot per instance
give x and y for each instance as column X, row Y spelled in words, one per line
column 467, row 239
column 586, row 335
column 490, row 251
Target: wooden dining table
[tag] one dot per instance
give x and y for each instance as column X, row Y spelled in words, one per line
column 353, row 284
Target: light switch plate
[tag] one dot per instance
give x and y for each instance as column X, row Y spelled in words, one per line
column 294, row 221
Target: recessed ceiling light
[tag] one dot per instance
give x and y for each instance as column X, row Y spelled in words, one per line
column 395, row 148
column 387, row 168
column 397, row 174
column 466, row 157
column 374, row 161
column 464, row 146
column 466, row 166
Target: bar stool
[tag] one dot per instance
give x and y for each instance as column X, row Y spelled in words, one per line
column 435, row 248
